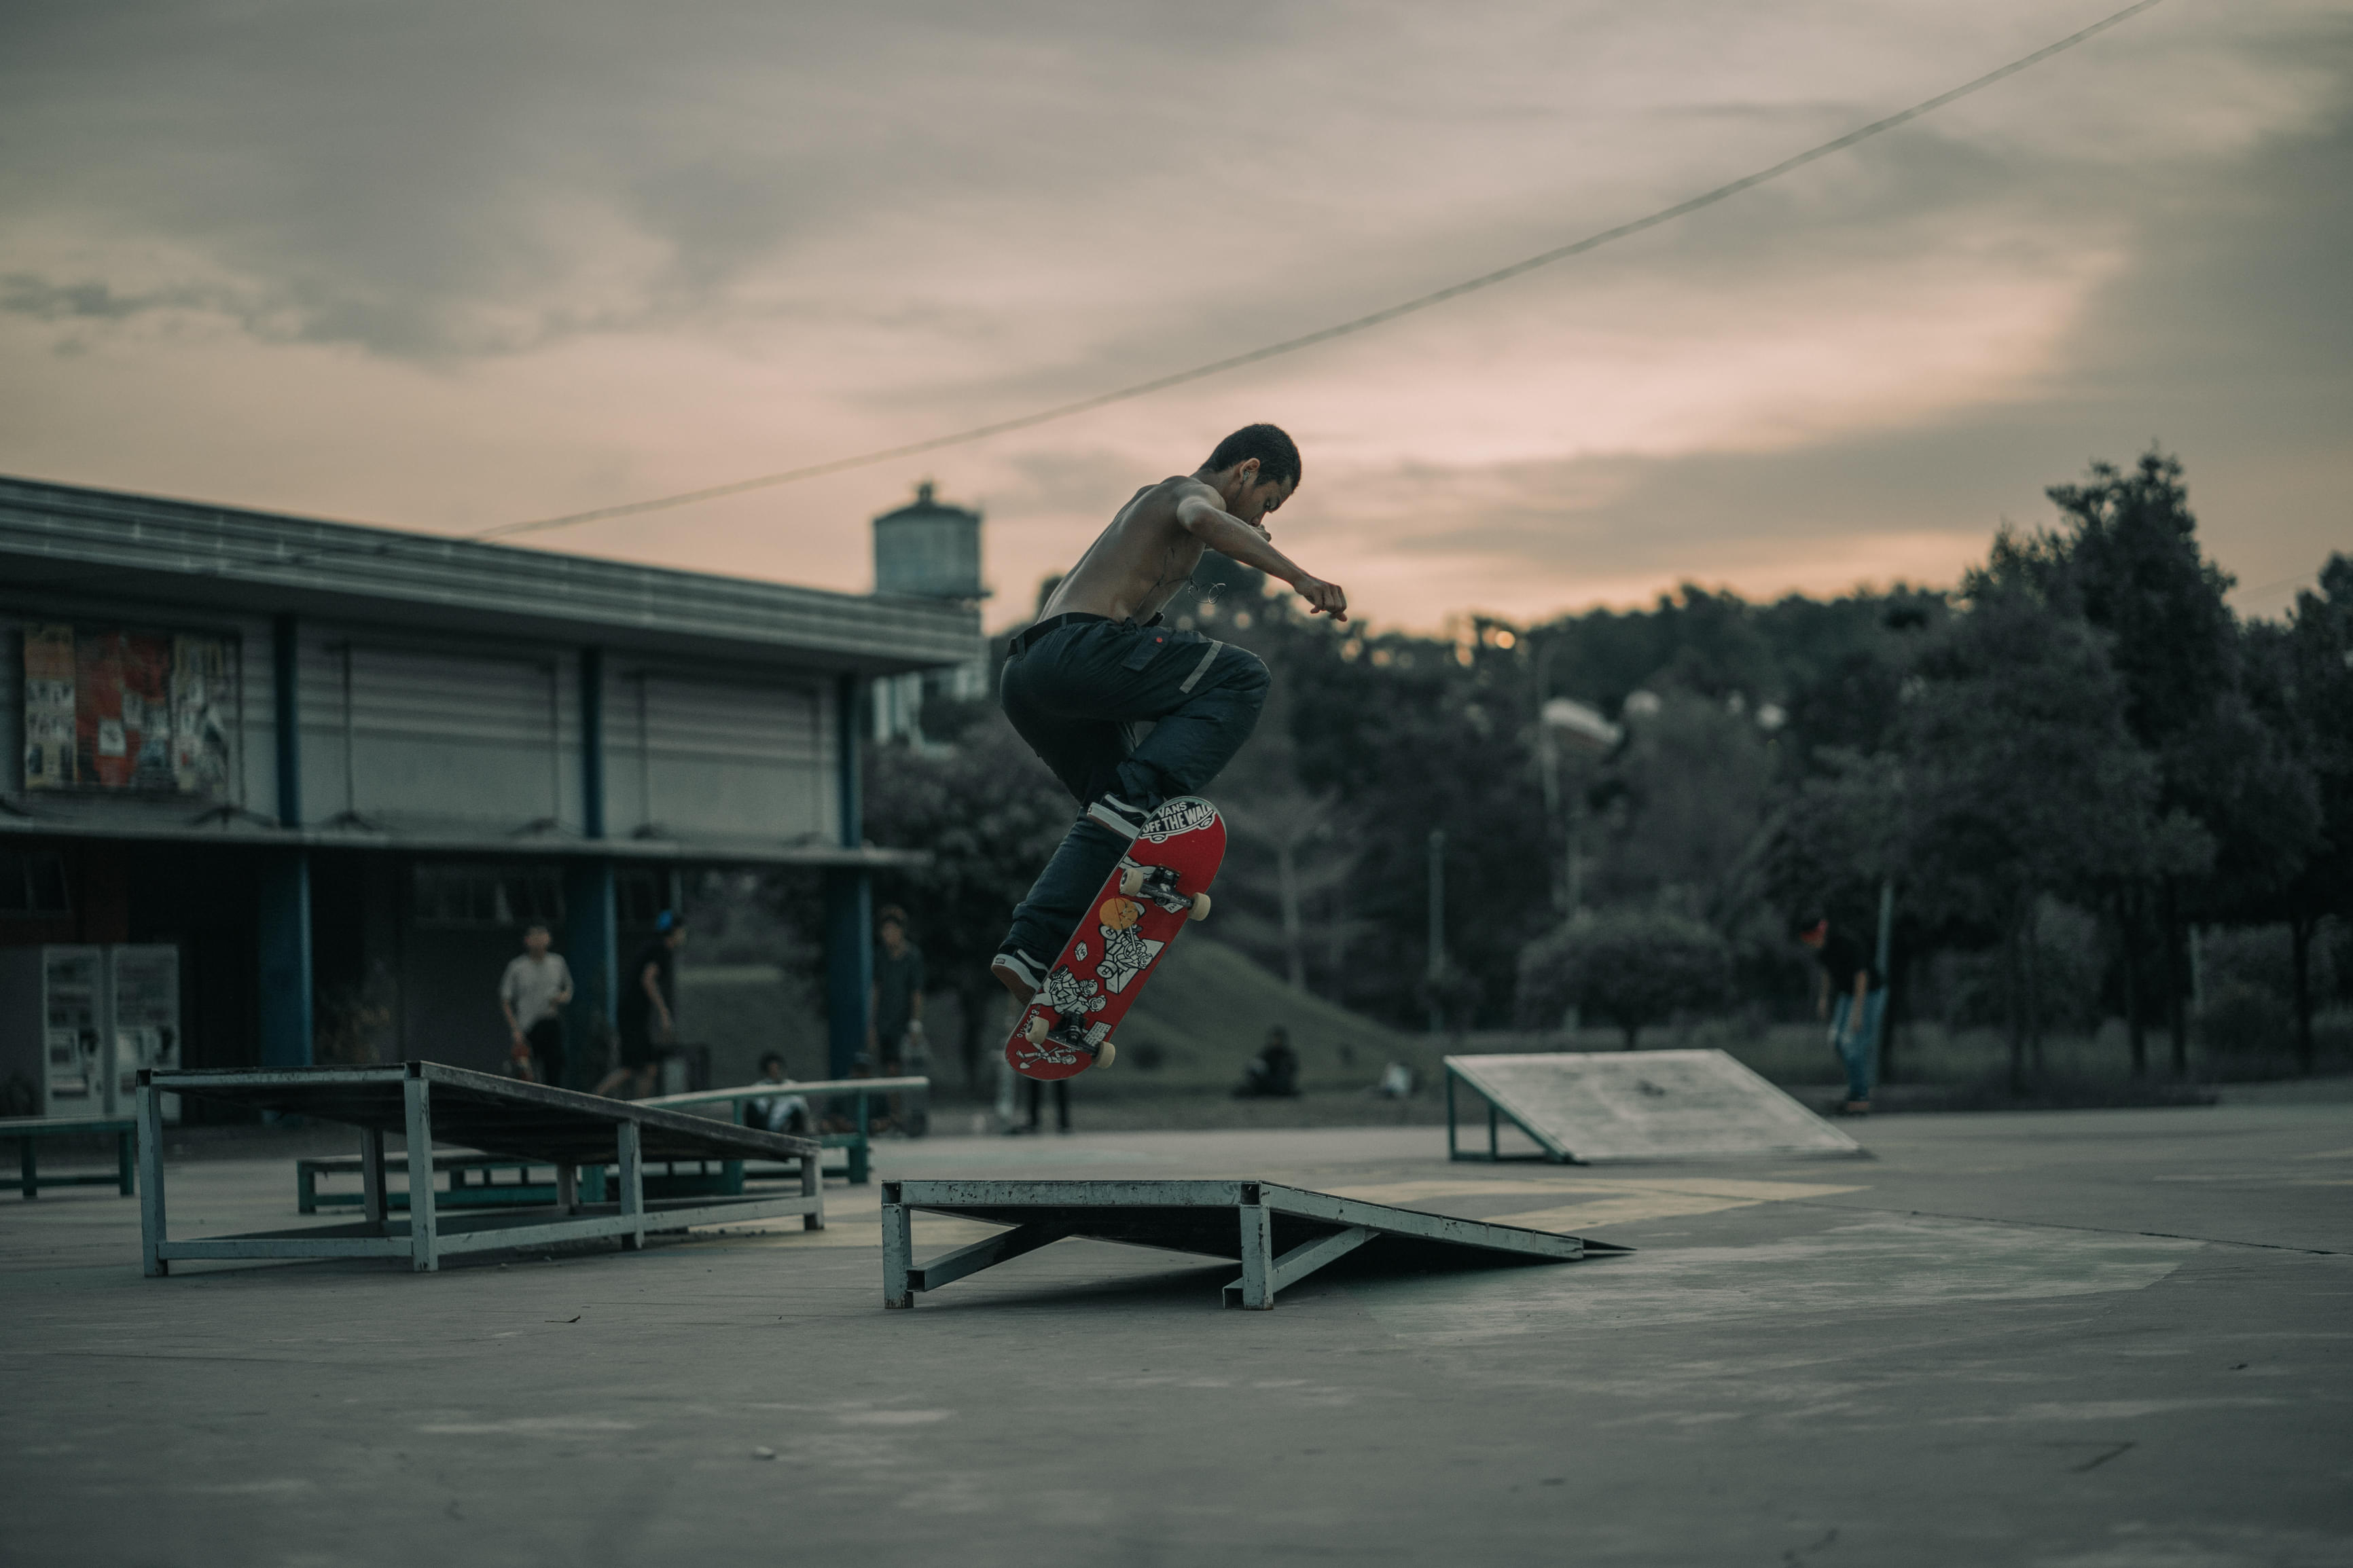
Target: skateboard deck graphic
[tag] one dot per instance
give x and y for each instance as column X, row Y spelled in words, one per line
column 1159, row 885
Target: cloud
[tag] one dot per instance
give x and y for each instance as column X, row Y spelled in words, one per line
column 449, row 266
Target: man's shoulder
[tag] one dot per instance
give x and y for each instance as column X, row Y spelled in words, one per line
column 1159, row 501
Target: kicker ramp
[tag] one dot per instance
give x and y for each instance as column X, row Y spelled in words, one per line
column 1280, row 1235
column 1586, row 1107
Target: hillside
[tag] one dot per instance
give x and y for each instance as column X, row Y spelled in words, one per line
column 1207, row 1011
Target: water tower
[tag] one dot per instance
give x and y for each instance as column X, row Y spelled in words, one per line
column 928, row 549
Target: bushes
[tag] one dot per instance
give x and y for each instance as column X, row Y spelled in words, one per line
column 2242, row 1020
column 1633, row 968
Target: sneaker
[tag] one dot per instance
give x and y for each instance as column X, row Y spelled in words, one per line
column 1019, row 973
column 1120, row 816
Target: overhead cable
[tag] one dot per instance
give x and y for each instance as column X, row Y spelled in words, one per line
column 1341, row 329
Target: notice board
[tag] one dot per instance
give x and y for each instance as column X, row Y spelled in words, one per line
column 111, row 709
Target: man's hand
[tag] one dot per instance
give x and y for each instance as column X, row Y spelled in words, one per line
column 1323, row 598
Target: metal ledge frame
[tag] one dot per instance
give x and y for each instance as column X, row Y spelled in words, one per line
column 1246, row 1221
column 557, row 1124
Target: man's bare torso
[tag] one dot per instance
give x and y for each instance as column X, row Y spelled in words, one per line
column 1137, row 565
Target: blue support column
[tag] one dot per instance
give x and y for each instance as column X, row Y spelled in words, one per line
column 591, row 923
column 590, row 934
column 285, row 888
column 285, row 876
column 592, row 742
column 285, row 655
column 849, row 896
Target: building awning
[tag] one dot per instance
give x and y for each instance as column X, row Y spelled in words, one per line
column 241, row 832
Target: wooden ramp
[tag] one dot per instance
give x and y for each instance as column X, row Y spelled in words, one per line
column 1279, row 1235
column 1583, row 1107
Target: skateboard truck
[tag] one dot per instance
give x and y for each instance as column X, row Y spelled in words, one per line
column 1037, row 1032
column 1158, row 883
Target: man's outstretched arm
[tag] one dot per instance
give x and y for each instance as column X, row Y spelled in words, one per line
column 1199, row 515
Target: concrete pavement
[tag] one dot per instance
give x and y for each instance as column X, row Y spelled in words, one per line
column 2102, row 1337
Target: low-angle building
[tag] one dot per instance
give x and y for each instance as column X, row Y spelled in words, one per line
column 283, row 791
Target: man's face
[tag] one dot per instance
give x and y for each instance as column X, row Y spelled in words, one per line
column 895, row 936
column 534, row 943
column 1817, row 935
column 773, row 1071
column 676, row 938
column 1260, row 498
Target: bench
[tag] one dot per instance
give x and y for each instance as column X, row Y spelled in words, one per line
column 860, row 1163
column 29, row 1132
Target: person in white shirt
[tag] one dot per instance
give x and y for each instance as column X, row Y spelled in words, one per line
column 777, row 1113
column 534, row 987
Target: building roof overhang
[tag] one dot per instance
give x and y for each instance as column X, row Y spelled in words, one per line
column 71, row 539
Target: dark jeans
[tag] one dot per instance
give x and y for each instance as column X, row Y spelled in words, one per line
column 547, row 1040
column 1076, row 695
column 1038, row 1100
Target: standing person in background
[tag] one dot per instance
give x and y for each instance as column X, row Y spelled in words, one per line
column 1853, row 995
column 894, row 1009
column 1037, row 1096
column 536, row 984
column 894, row 1006
column 649, row 1015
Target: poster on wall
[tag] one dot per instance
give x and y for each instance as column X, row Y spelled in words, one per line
column 107, row 708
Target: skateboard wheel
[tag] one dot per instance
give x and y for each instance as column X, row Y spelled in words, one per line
column 1034, row 1031
column 1106, row 1055
column 1131, row 881
column 1200, row 910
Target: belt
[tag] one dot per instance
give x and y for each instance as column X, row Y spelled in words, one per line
column 1023, row 638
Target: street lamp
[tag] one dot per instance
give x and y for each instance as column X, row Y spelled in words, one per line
column 1565, row 721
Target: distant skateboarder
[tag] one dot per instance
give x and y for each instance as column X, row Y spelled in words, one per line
column 1098, row 662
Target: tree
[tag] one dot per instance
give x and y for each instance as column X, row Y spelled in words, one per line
column 990, row 815
column 1631, row 967
column 2130, row 564
column 2313, row 662
column 2021, row 777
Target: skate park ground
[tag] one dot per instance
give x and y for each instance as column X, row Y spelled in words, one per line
column 2078, row 1338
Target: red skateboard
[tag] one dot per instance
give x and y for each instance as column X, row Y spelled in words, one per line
column 1159, row 885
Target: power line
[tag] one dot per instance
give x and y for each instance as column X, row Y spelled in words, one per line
column 1343, row 329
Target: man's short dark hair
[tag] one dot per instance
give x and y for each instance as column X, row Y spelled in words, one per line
column 1278, row 458
column 771, row 1060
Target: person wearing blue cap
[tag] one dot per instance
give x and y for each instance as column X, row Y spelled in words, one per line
column 648, row 1012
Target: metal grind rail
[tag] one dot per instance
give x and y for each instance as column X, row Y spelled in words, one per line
column 858, row 1142
column 426, row 1102
column 1279, row 1235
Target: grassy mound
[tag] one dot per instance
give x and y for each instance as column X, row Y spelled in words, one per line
column 1205, row 1012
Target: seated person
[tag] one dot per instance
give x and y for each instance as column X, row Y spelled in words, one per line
column 1273, row 1072
column 777, row 1113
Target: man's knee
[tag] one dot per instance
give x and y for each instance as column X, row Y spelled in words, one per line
column 1248, row 677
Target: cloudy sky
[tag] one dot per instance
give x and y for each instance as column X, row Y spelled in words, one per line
column 444, row 266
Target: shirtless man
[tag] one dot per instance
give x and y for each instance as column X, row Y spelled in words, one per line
column 1098, row 662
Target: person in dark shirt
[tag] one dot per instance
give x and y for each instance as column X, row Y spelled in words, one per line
column 1853, row 994
column 647, row 1013
column 1274, row 1072
column 894, row 1013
